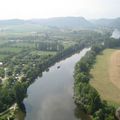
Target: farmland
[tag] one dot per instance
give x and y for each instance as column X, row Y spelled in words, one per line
column 105, row 76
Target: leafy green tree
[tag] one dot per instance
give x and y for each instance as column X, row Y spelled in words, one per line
column 20, row 90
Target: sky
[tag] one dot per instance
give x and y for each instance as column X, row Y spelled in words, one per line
column 30, row 9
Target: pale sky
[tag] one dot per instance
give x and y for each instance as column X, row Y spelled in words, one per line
column 27, row 9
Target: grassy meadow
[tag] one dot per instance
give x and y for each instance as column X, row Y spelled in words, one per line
column 101, row 79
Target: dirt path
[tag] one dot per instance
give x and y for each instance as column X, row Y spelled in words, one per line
column 114, row 70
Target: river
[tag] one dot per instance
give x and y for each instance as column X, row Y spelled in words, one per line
column 50, row 97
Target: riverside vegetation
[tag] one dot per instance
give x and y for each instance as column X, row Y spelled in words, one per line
column 86, row 97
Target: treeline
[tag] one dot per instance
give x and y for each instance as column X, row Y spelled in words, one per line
column 12, row 92
column 49, row 46
column 112, row 43
column 86, row 97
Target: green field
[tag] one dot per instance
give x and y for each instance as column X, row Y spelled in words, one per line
column 10, row 49
column 101, row 81
column 35, row 52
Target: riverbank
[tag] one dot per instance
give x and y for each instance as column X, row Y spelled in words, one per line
column 86, row 97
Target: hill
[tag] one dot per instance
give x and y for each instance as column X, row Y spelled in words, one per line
column 111, row 23
column 63, row 22
column 11, row 22
column 72, row 22
column 115, row 23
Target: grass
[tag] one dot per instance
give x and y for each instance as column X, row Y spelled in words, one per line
column 101, row 81
column 4, row 52
column 10, row 49
column 43, row 52
column 2, row 56
column 24, row 44
column 67, row 44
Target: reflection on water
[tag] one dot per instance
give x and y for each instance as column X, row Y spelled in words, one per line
column 50, row 97
column 19, row 115
column 80, row 114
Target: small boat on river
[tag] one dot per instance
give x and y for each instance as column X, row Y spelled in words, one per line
column 58, row 67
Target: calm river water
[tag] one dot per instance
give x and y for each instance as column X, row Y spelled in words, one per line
column 50, row 97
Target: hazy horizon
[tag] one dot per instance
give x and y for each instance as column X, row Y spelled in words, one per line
column 32, row 9
column 58, row 17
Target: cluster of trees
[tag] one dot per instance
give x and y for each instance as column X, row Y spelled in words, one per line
column 86, row 97
column 112, row 43
column 49, row 46
column 12, row 92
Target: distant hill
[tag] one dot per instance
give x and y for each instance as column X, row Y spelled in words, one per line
column 62, row 22
column 11, row 22
column 113, row 23
column 102, row 22
column 72, row 22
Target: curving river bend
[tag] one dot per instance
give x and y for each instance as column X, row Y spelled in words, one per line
column 50, row 97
